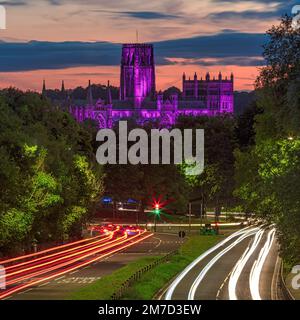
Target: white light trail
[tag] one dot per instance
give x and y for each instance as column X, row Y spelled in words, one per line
column 258, row 265
column 204, row 271
column 181, row 276
column 238, row 268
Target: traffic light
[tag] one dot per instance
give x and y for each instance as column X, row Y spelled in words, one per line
column 157, row 208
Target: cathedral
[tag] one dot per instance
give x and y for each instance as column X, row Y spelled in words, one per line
column 138, row 98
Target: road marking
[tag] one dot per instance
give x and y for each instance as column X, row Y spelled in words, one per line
column 43, row 284
column 25, row 291
column 73, row 271
column 159, row 243
column 222, row 285
column 79, row 280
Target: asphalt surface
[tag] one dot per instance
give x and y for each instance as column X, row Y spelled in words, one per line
column 61, row 288
column 215, row 281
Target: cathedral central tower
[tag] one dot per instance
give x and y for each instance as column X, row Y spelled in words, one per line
column 137, row 80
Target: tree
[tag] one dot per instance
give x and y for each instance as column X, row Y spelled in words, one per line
column 267, row 173
column 215, row 185
column 48, row 172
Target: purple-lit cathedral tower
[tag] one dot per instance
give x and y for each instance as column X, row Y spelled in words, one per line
column 137, row 79
column 139, row 100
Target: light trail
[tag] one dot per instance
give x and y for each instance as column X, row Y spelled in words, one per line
column 11, row 291
column 213, row 224
column 15, row 266
column 47, row 250
column 238, row 268
column 258, row 265
column 181, row 276
column 204, row 271
column 80, row 255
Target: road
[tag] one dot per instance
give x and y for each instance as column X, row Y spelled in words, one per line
column 56, row 274
column 241, row 267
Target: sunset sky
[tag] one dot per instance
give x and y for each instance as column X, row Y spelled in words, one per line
column 78, row 40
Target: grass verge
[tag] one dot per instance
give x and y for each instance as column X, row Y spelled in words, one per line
column 152, row 281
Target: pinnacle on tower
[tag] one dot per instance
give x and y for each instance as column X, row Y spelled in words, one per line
column 44, row 86
column 195, row 76
column 63, row 86
column 220, row 76
column 109, row 99
column 90, row 99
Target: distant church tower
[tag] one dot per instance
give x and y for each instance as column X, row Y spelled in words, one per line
column 137, row 73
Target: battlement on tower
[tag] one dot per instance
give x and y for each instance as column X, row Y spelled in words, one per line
column 137, row 78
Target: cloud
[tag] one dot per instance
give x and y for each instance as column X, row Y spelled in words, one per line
column 248, row 14
column 278, row 9
column 144, row 15
column 224, row 44
column 223, row 48
column 148, row 15
column 207, row 62
column 13, row 3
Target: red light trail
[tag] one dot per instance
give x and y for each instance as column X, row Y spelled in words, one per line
column 53, row 268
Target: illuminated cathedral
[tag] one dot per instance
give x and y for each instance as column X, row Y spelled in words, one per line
column 138, row 98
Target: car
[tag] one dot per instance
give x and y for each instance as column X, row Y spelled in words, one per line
column 119, row 231
column 131, row 230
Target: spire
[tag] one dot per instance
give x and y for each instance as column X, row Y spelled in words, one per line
column 63, row 86
column 207, row 76
column 44, row 87
column 90, row 99
column 183, row 76
column 195, row 76
column 231, row 76
column 220, row 76
column 109, row 99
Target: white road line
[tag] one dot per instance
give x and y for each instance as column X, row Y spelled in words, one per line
column 44, row 284
column 204, row 271
column 25, row 291
column 159, row 243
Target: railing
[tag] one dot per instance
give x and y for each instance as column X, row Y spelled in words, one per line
column 137, row 275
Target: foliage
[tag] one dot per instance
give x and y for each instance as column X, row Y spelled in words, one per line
column 267, row 173
column 49, row 179
column 215, row 185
